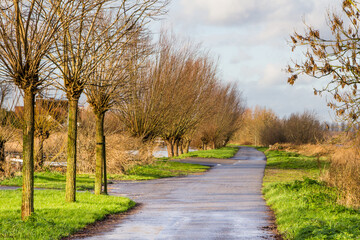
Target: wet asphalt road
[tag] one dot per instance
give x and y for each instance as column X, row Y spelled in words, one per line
column 224, row 203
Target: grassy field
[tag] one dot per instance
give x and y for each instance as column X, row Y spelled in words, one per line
column 160, row 169
column 287, row 166
column 54, row 180
column 53, row 218
column 305, row 207
column 225, row 152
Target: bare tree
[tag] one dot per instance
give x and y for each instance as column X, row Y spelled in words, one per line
column 81, row 48
column 27, row 31
column 104, row 87
column 224, row 119
column 143, row 110
column 8, row 130
column 50, row 115
column 5, row 90
column 187, row 78
column 333, row 57
column 303, row 128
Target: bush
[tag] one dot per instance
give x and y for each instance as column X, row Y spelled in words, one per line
column 344, row 173
column 303, row 128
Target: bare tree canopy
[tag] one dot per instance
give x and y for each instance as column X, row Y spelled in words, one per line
column 86, row 43
column 334, row 57
column 28, row 30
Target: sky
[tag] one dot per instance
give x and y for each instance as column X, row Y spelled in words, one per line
column 250, row 41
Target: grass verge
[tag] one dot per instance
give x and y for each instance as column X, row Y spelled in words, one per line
column 225, row 152
column 306, row 208
column 159, row 169
column 53, row 217
column 54, row 180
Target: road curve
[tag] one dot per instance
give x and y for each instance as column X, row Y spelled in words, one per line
column 224, row 203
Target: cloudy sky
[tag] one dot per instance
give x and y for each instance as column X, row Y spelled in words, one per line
column 250, row 40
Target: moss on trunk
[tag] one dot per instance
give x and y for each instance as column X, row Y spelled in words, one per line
column 100, row 153
column 27, row 206
column 70, row 195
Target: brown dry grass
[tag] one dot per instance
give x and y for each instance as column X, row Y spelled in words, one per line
column 317, row 150
column 343, row 153
column 122, row 152
column 344, row 173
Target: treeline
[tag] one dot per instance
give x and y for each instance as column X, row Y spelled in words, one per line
column 169, row 90
column 176, row 95
column 261, row 126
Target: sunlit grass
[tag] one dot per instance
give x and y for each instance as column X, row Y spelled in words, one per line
column 159, row 169
column 225, row 152
column 55, row 180
column 53, row 217
column 306, row 208
column 287, row 166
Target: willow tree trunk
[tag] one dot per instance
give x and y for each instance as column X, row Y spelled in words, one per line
column 27, row 206
column 104, row 173
column 100, row 152
column 170, row 147
column 70, row 195
column 176, row 148
column 40, row 155
column 2, row 155
column 181, row 146
column 186, row 146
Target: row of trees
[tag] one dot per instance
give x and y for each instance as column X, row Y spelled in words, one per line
column 262, row 126
column 176, row 95
column 63, row 44
column 101, row 49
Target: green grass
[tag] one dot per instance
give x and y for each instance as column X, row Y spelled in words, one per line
column 53, row 217
column 286, row 166
column 160, row 169
column 306, row 208
column 225, row 152
column 53, row 180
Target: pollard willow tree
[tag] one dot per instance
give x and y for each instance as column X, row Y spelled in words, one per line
column 335, row 57
column 104, row 86
column 143, row 110
column 189, row 79
column 27, row 32
column 224, row 118
column 5, row 134
column 82, row 47
column 108, row 86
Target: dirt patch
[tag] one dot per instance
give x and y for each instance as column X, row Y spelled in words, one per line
column 272, row 227
column 105, row 225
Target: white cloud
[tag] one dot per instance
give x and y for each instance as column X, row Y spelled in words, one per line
column 272, row 76
column 243, row 11
column 250, row 38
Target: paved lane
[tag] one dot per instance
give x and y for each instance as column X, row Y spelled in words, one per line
column 224, row 203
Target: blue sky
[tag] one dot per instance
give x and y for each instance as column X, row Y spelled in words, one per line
column 250, row 40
